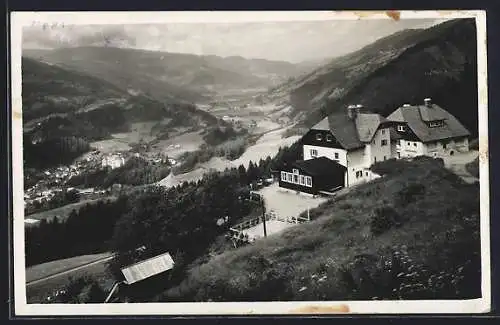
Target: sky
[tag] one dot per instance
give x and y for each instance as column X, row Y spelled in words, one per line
column 285, row 41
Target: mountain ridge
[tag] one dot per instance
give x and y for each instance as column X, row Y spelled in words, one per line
column 169, row 76
column 406, row 67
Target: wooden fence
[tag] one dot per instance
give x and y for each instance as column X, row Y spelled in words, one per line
column 237, row 232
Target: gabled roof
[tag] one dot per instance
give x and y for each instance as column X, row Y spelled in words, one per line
column 352, row 133
column 417, row 116
column 148, row 268
column 318, row 166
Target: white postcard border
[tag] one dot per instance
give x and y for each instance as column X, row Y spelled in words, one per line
column 20, row 19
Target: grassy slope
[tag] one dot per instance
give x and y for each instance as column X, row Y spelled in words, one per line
column 439, row 228
column 46, row 269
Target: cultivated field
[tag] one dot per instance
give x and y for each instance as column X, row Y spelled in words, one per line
column 178, row 145
column 63, row 212
column 110, row 145
column 138, row 132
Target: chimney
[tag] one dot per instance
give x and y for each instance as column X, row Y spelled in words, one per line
column 428, row 102
column 351, row 111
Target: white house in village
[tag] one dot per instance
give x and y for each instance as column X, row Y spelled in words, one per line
column 113, row 161
column 339, row 150
column 428, row 129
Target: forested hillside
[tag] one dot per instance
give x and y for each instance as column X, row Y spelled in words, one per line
column 439, row 62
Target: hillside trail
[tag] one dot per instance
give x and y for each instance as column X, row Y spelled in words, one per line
column 457, row 163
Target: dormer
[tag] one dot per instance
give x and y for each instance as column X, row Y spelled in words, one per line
column 435, row 124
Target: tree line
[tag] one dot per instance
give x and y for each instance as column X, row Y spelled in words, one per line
column 53, row 151
column 86, row 231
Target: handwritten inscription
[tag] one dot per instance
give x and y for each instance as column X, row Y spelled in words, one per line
column 49, row 25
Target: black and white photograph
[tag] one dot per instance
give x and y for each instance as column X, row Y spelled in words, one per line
column 250, row 162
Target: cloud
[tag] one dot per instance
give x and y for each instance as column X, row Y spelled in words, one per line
column 289, row 41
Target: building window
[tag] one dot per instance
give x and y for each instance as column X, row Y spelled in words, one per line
column 409, row 143
column 401, row 128
column 375, row 159
column 295, row 171
column 366, row 174
column 289, row 177
column 283, row 176
column 308, row 181
column 296, row 179
column 329, row 138
column 319, row 137
column 336, row 155
column 435, row 124
column 385, row 157
column 302, row 180
column 359, row 174
column 314, row 153
column 383, row 131
column 384, row 142
column 414, row 144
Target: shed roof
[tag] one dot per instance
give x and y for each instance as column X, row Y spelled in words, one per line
column 147, row 268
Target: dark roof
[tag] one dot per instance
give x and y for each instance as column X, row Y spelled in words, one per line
column 318, row 166
column 148, row 268
column 417, row 116
column 352, row 133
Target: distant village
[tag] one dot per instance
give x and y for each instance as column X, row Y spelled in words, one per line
column 55, row 179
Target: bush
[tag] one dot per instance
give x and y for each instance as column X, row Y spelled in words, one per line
column 383, row 219
column 410, row 193
column 83, row 290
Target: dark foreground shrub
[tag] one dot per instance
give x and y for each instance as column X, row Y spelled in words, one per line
column 383, row 219
column 410, row 193
column 82, row 290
